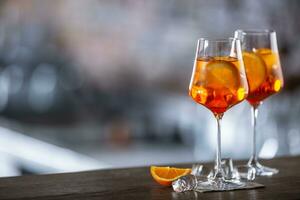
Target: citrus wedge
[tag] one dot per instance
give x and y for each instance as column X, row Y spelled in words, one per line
column 255, row 70
column 220, row 74
column 270, row 58
column 166, row 175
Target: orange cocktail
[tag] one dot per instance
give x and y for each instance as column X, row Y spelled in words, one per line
column 263, row 73
column 217, row 84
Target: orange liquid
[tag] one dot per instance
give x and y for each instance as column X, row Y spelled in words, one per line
column 217, row 83
column 271, row 79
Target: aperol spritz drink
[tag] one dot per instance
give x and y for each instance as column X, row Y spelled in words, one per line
column 263, row 73
column 263, row 70
column 218, row 82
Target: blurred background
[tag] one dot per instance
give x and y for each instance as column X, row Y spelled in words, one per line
column 104, row 84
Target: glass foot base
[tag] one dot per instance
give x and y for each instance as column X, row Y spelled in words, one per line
column 262, row 170
column 219, row 185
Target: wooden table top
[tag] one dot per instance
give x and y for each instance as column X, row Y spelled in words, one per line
column 136, row 183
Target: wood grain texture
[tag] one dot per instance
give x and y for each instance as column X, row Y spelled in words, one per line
column 137, row 184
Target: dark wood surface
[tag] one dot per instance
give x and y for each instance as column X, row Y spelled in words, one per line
column 136, row 183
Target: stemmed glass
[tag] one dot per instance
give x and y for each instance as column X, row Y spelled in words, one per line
column 218, row 82
column 263, row 70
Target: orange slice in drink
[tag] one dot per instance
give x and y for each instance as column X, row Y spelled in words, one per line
column 255, row 70
column 166, row 175
column 220, row 74
column 270, row 58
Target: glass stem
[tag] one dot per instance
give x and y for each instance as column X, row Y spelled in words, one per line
column 218, row 167
column 254, row 119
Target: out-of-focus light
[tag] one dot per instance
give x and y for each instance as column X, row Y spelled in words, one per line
column 4, row 90
column 294, row 141
column 15, row 77
column 269, row 149
column 9, row 166
column 42, row 157
column 42, row 87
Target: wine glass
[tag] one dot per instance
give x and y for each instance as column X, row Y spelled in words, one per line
column 218, row 82
column 263, row 70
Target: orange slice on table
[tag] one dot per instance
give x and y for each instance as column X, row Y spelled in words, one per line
column 255, row 70
column 166, row 175
column 220, row 74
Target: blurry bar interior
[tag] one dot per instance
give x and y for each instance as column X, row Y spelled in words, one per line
column 104, row 84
